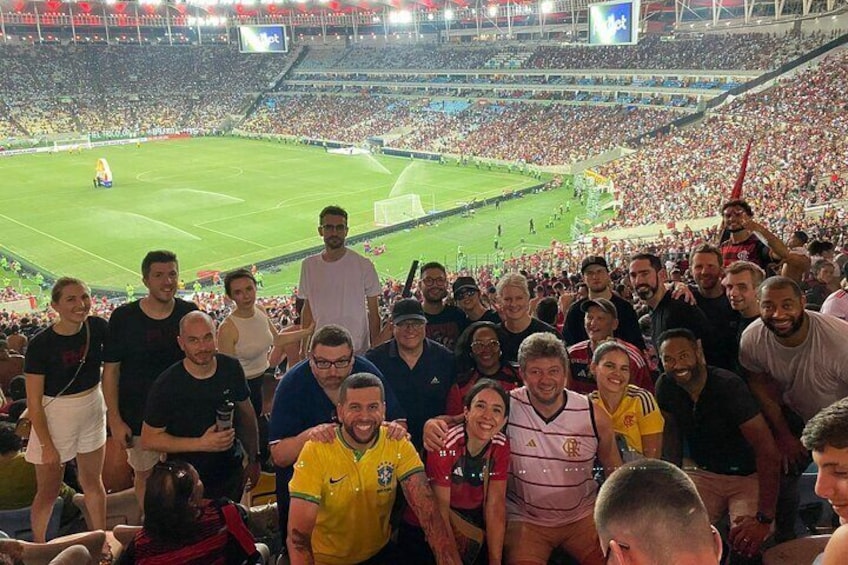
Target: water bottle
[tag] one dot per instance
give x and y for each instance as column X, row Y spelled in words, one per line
column 224, row 416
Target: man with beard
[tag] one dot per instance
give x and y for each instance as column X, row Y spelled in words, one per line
column 705, row 264
column 141, row 343
column 339, row 286
column 516, row 324
column 181, row 413
column 648, row 278
column 596, row 274
column 714, row 413
column 444, row 322
column 343, row 492
column 748, row 240
column 796, row 363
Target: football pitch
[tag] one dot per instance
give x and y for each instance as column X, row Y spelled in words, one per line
column 221, row 203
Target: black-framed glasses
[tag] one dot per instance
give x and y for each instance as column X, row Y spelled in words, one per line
column 437, row 281
column 342, row 363
column 334, row 227
column 608, row 554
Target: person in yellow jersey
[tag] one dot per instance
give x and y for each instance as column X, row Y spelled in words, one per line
column 342, row 492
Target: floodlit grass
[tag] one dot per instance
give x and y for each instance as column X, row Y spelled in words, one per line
column 221, row 203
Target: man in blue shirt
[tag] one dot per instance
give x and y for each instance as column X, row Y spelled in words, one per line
column 305, row 403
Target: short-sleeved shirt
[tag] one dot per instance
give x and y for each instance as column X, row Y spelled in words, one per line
column 355, row 492
column 58, row 357
column 574, row 329
column 671, row 313
column 510, row 342
column 582, row 380
column 186, row 407
column 637, row 415
column 711, row 425
column 752, row 249
column 145, row 348
column 722, row 321
column 337, row 293
column 836, row 305
column 453, row 467
column 814, row 374
column 300, row 403
column 444, row 328
column 421, row 390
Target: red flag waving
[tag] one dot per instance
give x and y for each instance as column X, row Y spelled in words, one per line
column 737, row 187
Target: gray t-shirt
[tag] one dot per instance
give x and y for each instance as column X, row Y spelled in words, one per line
column 814, row 374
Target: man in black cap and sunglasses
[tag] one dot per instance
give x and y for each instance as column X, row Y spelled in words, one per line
column 466, row 294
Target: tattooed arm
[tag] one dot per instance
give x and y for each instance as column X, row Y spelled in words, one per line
column 420, row 496
column 302, row 517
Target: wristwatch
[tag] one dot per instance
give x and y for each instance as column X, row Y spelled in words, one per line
column 763, row 519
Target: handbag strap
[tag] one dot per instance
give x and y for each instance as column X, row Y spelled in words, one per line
column 79, row 367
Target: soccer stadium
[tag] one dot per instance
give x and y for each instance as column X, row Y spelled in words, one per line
column 228, row 224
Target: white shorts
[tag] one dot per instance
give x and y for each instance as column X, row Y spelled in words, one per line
column 76, row 424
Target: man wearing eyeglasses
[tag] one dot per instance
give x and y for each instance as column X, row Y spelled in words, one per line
column 419, row 370
column 444, row 321
column 339, row 286
column 649, row 512
column 305, row 403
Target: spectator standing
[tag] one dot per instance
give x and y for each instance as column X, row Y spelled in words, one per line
column 444, row 321
column 517, row 324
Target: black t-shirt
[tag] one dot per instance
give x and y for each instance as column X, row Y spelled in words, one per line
column 722, row 320
column 57, row 357
column 488, row 316
column 145, row 348
column 671, row 313
column 186, row 406
column 574, row 330
column 445, row 327
column 510, row 342
column 711, row 426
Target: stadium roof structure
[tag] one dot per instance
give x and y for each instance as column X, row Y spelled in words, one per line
column 397, row 15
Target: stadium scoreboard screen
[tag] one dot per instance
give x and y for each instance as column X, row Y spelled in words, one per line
column 263, row 39
column 614, row 23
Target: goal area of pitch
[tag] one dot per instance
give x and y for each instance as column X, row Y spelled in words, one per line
column 398, row 209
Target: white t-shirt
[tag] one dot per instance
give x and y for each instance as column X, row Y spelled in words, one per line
column 836, row 305
column 337, row 293
column 814, row 374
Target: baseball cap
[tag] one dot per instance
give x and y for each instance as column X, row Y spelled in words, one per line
column 593, row 260
column 601, row 303
column 407, row 309
column 463, row 283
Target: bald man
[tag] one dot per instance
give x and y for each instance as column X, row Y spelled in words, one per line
column 180, row 417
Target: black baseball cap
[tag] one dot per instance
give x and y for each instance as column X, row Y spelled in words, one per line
column 593, row 260
column 407, row 309
column 464, row 283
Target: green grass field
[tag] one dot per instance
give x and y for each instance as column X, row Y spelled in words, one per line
column 221, row 203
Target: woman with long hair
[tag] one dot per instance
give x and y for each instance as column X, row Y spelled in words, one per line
column 478, row 355
column 180, row 526
column 636, row 418
column 65, row 404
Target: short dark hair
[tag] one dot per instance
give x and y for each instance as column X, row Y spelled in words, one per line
column 331, row 335
column 737, row 202
column 486, row 384
column 17, row 387
column 827, row 428
column 433, row 265
column 819, row 265
column 659, row 504
column 169, row 512
column 606, row 347
column 357, row 381
column 707, row 248
column 656, row 263
column 9, row 440
column 779, row 283
column 801, row 236
column 547, row 310
column 233, row 275
column 462, row 350
column 158, row 256
column 332, row 211
column 677, row 333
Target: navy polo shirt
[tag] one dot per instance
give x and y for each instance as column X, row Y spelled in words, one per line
column 299, row 404
column 421, row 390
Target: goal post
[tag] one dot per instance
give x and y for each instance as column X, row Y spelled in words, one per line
column 71, row 142
column 398, row 209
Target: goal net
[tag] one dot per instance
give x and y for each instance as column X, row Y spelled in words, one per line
column 398, row 209
column 71, row 143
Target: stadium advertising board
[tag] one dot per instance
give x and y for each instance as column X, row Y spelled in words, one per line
column 614, row 23
column 263, row 39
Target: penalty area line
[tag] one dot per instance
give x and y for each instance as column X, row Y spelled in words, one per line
column 71, row 245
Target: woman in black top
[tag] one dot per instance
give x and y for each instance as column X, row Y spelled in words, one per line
column 65, row 404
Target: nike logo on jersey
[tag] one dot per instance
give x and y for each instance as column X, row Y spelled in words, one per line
column 334, row 481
